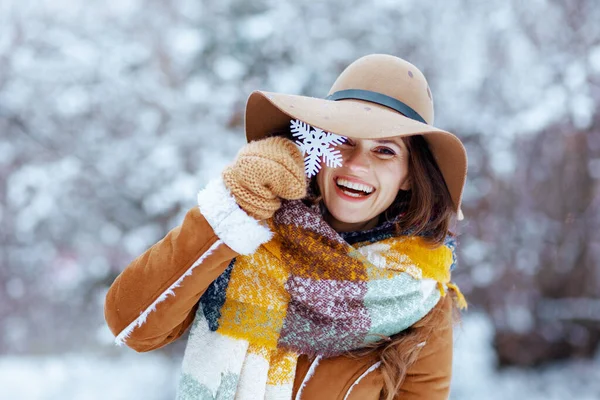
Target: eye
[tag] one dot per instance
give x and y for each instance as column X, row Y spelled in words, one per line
column 348, row 142
column 386, row 151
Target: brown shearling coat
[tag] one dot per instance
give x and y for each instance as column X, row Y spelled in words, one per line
column 159, row 270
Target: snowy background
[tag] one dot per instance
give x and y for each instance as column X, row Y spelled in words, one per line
column 113, row 114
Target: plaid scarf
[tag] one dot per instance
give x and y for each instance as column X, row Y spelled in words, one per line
column 310, row 291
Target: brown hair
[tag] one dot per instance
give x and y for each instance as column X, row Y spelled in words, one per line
column 426, row 210
column 427, row 207
column 398, row 352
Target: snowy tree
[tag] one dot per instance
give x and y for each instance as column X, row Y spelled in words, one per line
column 114, row 114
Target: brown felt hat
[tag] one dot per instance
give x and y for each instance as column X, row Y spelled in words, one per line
column 377, row 96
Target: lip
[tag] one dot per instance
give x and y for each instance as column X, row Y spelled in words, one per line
column 345, row 196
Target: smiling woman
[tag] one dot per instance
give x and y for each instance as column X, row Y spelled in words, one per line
column 329, row 287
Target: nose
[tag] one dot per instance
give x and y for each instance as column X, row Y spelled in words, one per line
column 357, row 161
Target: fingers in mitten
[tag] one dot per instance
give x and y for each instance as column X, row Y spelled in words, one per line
column 278, row 149
column 255, row 205
column 254, row 173
column 283, row 181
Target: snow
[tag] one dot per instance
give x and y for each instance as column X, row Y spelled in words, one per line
column 594, row 58
column 229, row 69
column 257, row 27
column 87, row 377
column 153, row 375
column 476, row 378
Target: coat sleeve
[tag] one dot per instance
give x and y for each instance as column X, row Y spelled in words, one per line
column 154, row 299
column 428, row 378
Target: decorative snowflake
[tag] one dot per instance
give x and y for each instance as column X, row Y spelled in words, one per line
column 315, row 143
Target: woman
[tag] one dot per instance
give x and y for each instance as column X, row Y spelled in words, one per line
column 333, row 287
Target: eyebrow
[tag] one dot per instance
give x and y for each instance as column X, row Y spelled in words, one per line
column 387, row 141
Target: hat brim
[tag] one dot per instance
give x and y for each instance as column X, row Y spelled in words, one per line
column 357, row 119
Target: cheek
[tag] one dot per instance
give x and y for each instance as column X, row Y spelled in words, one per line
column 322, row 177
column 391, row 180
column 388, row 195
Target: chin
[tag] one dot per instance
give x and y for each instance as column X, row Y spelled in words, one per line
column 347, row 218
column 349, row 213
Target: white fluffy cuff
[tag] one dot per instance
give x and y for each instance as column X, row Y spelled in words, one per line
column 243, row 233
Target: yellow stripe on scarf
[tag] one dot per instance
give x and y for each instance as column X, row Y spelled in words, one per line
column 414, row 256
column 462, row 302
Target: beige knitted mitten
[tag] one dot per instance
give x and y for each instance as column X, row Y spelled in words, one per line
column 263, row 172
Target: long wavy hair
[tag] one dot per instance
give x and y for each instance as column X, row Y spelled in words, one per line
column 425, row 209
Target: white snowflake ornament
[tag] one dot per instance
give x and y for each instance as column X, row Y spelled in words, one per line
column 316, row 145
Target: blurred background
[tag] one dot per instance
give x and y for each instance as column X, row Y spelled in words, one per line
column 114, row 114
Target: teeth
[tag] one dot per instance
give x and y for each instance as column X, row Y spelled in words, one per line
column 356, row 186
column 351, row 194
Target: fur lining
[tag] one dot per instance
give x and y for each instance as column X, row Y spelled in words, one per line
column 367, row 372
column 139, row 321
column 243, row 233
column 309, row 374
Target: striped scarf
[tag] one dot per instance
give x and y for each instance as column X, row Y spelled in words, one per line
column 310, row 291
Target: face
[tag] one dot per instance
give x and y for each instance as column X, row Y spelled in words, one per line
column 372, row 173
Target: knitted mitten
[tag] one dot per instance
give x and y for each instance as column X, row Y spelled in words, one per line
column 263, row 172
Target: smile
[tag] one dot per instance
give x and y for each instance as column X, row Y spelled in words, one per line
column 354, row 189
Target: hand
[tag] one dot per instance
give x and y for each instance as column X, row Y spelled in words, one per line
column 264, row 172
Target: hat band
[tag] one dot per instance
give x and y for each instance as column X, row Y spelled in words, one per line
column 378, row 98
